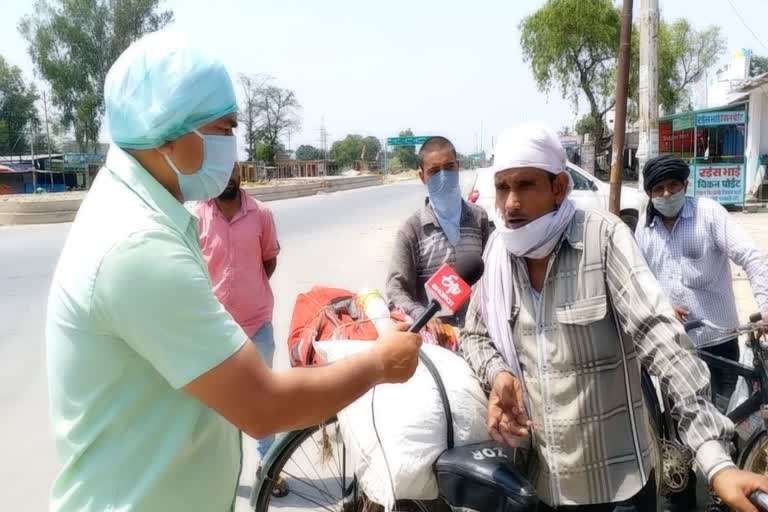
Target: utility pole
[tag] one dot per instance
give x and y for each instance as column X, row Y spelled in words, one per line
column 323, row 138
column 32, row 144
column 386, row 147
column 481, row 137
column 47, row 128
column 648, row 146
column 620, row 122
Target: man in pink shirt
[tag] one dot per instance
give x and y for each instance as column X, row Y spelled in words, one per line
column 238, row 239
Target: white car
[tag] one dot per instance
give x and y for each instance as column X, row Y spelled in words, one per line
column 588, row 193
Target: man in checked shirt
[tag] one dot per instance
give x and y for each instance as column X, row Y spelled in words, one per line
column 557, row 330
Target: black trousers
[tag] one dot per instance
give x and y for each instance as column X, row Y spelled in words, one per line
column 643, row 501
column 723, row 381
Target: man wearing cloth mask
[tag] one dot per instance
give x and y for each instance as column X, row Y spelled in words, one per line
column 150, row 379
column 564, row 316
column 444, row 229
column 689, row 243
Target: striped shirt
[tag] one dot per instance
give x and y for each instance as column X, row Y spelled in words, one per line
column 421, row 247
column 601, row 316
column 692, row 264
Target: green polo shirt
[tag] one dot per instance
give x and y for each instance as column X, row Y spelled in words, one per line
column 131, row 320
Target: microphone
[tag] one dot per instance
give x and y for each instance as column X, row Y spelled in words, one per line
column 449, row 289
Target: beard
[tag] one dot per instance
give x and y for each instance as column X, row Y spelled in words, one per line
column 230, row 192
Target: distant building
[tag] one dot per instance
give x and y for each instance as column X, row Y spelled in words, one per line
column 58, row 172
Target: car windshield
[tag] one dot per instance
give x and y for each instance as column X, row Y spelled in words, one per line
column 580, row 182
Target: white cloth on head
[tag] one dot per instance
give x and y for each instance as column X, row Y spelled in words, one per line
column 530, row 145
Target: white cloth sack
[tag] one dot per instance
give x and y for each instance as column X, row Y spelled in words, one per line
column 741, row 393
column 411, row 423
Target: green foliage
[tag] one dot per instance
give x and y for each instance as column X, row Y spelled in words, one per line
column 267, row 153
column 758, row 66
column 350, row 149
column 406, row 156
column 18, row 115
column 307, row 152
column 572, row 44
column 372, row 148
column 73, row 43
column 586, row 124
column 684, row 56
column 277, row 113
column 248, row 115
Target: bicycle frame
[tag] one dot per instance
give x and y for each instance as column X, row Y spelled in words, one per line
column 757, row 374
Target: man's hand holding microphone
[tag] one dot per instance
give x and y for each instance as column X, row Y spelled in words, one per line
column 397, row 351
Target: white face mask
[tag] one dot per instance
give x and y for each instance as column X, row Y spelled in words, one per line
column 670, row 206
column 538, row 238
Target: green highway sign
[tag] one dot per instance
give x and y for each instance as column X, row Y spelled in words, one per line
column 407, row 141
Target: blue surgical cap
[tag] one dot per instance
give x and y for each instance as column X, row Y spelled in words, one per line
column 163, row 87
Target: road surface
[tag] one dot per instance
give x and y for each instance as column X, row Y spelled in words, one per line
column 342, row 239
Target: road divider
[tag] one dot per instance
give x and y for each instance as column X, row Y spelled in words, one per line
column 53, row 208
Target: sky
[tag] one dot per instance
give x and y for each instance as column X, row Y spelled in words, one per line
column 438, row 67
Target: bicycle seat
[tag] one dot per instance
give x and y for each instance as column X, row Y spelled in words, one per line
column 483, row 477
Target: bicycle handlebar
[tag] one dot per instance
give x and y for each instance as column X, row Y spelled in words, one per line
column 699, row 323
column 693, row 324
column 760, row 500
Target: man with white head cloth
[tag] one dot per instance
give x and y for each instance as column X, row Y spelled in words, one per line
column 564, row 317
column 150, row 379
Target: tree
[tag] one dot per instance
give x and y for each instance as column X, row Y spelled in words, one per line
column 573, row 44
column 73, row 43
column 406, row 155
column 307, row 152
column 347, row 150
column 277, row 113
column 248, row 117
column 18, row 114
column 372, row 148
column 586, row 124
column 355, row 147
column 267, row 153
column 758, row 66
column 684, row 56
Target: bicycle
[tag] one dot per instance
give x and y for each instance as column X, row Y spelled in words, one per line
column 479, row 477
column 482, row 477
column 753, row 456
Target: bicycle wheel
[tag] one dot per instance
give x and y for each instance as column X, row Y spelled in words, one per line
column 755, row 456
column 314, row 464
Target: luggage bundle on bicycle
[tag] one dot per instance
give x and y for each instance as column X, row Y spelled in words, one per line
column 422, row 440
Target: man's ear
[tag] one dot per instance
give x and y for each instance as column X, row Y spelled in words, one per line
column 422, row 176
column 560, row 187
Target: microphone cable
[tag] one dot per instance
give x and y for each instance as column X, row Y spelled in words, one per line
column 381, row 447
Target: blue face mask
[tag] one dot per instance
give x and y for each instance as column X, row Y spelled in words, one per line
column 445, row 199
column 219, row 156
